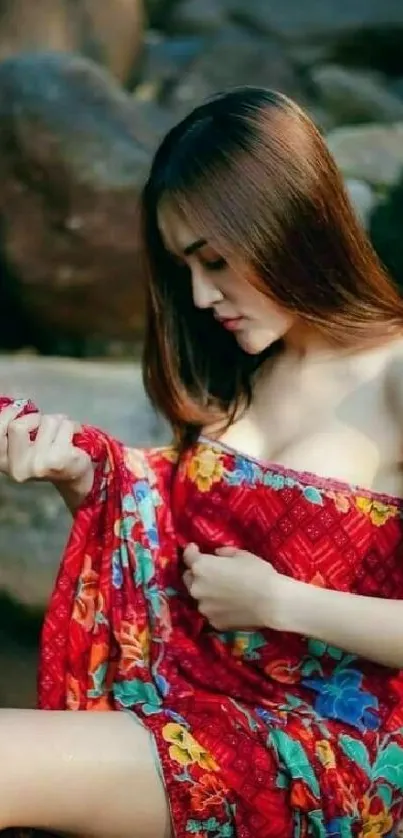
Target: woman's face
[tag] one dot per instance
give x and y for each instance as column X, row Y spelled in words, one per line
column 255, row 321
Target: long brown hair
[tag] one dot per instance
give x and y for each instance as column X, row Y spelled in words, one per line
column 252, row 175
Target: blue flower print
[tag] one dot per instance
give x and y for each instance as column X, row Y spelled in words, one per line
column 117, row 572
column 141, row 490
column 341, row 697
column 245, row 471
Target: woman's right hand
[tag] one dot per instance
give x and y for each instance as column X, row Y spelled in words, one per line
column 40, row 447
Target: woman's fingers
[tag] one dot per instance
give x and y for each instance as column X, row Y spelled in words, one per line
column 64, row 455
column 52, row 446
column 37, row 446
column 191, row 554
column 15, row 440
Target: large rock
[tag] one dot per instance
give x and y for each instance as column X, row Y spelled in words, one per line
column 108, row 31
column 33, row 520
column 356, row 97
column 192, row 16
column 324, row 25
column 233, row 57
column 362, row 198
column 159, row 12
column 372, row 153
column 74, row 151
column 386, row 232
column 165, row 61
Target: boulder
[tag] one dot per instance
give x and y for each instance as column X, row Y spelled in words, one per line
column 192, row 16
column 321, row 27
column 107, row 31
column 74, row 151
column 354, row 96
column 363, row 199
column 232, row 57
column 372, row 153
column 165, row 61
column 385, row 228
column 159, row 13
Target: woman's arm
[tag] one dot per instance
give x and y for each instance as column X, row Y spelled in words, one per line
column 74, row 492
column 366, row 626
column 237, row 590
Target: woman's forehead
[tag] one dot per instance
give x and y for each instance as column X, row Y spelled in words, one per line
column 177, row 233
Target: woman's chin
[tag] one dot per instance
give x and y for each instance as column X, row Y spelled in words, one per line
column 253, row 344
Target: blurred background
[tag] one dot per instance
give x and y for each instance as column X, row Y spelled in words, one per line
column 87, row 89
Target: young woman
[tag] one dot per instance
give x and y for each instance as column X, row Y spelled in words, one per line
column 239, row 595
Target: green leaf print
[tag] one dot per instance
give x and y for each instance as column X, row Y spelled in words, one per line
column 317, row 824
column 211, row 825
column 310, row 666
column 98, row 679
column 335, row 653
column 386, row 794
column 294, row 759
column 144, row 564
column 282, row 781
column 313, row 495
column 316, row 647
column 356, row 751
column 292, row 701
column 136, row 692
column 389, row 766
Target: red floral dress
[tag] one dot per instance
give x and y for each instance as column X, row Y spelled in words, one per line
column 258, row 733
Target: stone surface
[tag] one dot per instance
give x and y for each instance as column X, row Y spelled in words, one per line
column 165, row 61
column 386, row 231
column 356, row 97
column 107, row 31
column 235, row 57
column 159, row 12
column 33, row 521
column 199, row 17
column 74, row 151
column 372, row 153
column 362, row 198
column 320, row 22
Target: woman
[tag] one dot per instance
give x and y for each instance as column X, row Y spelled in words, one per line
column 239, row 595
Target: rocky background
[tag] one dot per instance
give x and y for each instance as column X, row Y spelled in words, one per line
column 87, row 89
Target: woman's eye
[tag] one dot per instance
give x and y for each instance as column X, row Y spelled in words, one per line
column 214, row 264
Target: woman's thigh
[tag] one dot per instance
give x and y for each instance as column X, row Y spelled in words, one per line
column 86, row 774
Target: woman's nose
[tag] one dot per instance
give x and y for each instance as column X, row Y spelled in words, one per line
column 205, row 293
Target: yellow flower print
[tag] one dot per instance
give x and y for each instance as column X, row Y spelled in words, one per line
column 378, row 512
column 240, row 646
column 205, row 468
column 184, row 748
column 86, row 600
column 169, row 453
column 341, row 502
column 376, row 821
column 324, row 752
column 72, row 693
column 134, row 462
column 134, row 646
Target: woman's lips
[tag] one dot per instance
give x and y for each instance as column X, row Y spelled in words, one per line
column 230, row 323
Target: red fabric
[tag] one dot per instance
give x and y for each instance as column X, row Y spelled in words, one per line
column 259, row 734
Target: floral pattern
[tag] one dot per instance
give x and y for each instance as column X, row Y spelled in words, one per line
column 259, row 734
column 205, row 468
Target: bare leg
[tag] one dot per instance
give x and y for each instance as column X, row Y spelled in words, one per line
column 86, row 774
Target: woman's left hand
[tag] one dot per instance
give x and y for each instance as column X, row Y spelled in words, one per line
column 234, row 589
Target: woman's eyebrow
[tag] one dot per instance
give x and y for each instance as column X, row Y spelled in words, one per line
column 191, row 248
